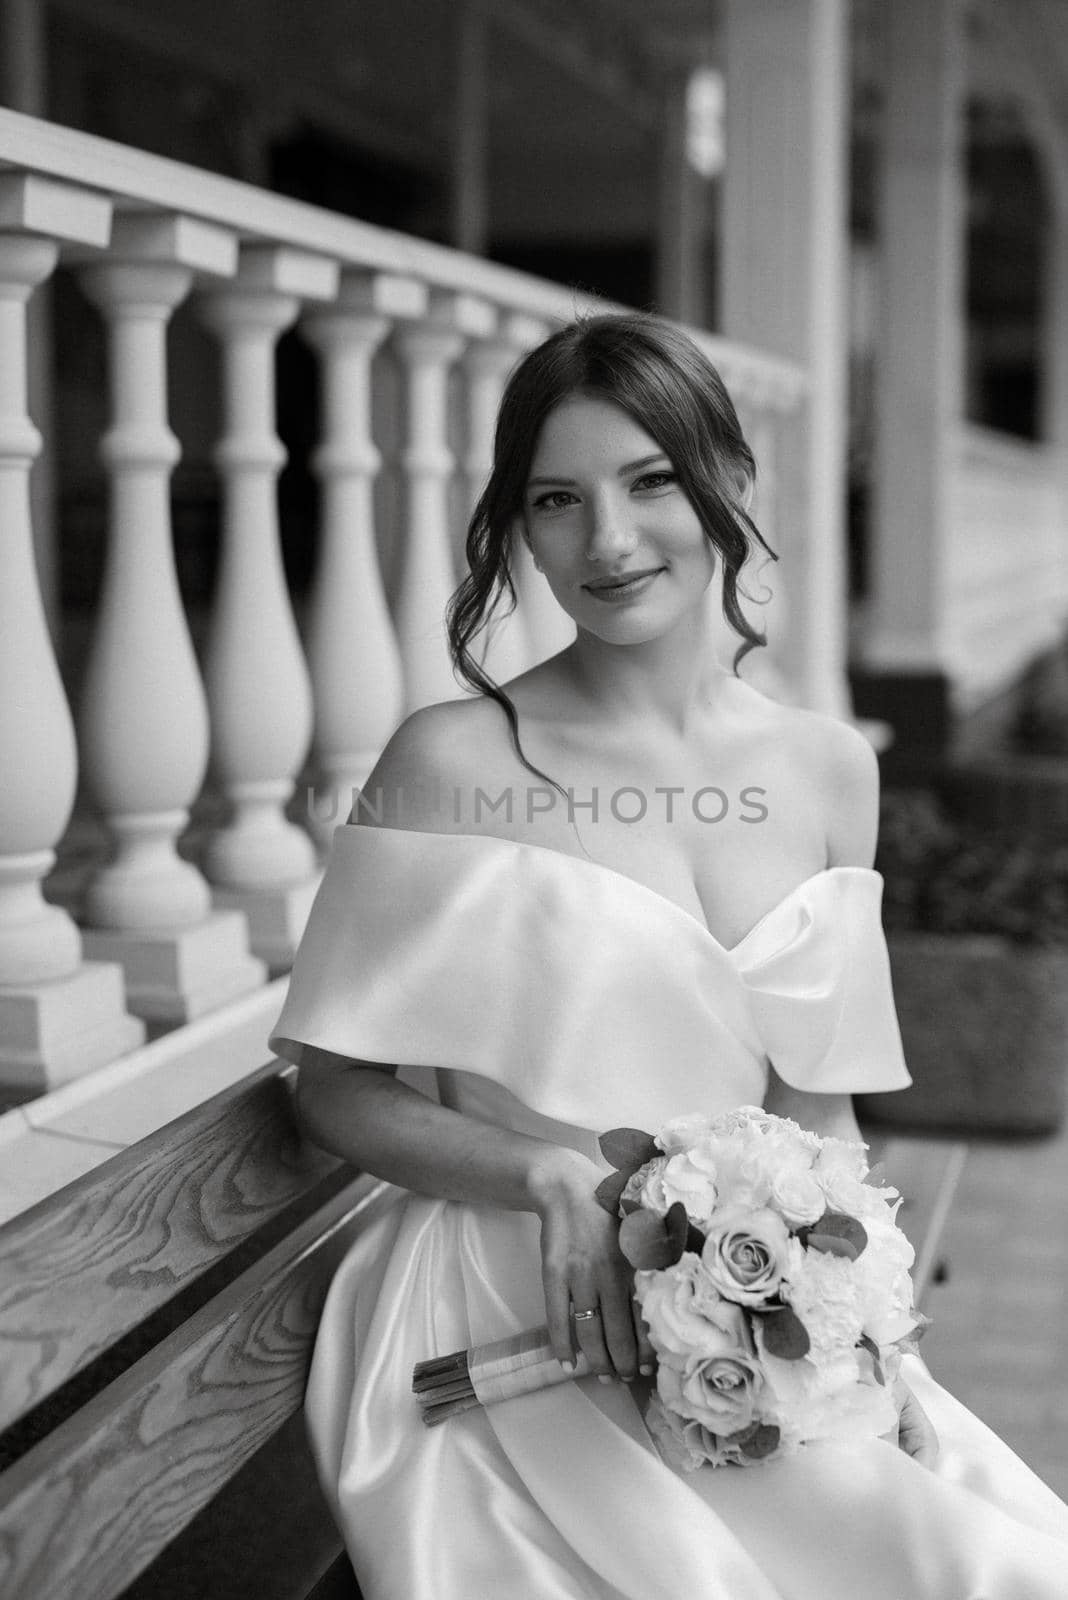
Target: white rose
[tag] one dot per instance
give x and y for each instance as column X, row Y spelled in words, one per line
column 884, row 1284
column 835, row 1401
column 742, row 1120
column 691, row 1176
column 718, row 1391
column 683, row 1132
column 645, row 1188
column 686, row 1315
column 686, row 1445
column 796, row 1195
column 747, row 1253
column 841, row 1168
column 743, row 1177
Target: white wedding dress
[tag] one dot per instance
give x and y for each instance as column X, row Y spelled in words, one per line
column 562, row 998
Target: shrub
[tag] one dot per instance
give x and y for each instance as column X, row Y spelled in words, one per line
column 944, row 875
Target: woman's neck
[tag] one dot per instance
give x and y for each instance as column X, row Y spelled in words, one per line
column 664, row 683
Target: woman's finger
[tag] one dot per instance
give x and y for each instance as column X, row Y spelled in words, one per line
column 558, row 1315
column 646, row 1353
column 618, row 1323
column 588, row 1322
column 916, row 1433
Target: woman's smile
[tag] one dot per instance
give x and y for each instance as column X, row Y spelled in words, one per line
column 617, row 591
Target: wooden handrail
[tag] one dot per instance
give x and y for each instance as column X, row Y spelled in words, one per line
column 80, row 1269
column 92, row 1505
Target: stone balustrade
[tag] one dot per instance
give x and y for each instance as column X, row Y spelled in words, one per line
column 158, row 939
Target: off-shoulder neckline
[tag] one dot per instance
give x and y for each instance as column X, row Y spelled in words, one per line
column 635, row 884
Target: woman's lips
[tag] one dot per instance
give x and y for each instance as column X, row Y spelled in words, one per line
column 630, row 589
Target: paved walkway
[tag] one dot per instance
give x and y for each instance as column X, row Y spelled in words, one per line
column 999, row 1339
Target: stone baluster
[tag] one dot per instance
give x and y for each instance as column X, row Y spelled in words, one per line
column 258, row 687
column 355, row 663
column 143, row 718
column 60, row 1016
column 426, row 575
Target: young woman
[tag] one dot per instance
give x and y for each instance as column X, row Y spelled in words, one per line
column 622, row 887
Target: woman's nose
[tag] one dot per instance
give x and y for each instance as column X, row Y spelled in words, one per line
column 610, row 533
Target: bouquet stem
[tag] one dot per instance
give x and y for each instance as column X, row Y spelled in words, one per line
column 519, row 1364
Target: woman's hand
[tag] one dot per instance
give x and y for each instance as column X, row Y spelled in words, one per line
column 583, row 1268
column 915, row 1431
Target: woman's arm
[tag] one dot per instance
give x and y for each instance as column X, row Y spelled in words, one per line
column 829, row 1115
column 362, row 1113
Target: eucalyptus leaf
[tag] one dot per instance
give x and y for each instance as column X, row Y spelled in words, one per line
column 609, row 1190
column 837, row 1234
column 644, row 1241
column 678, row 1227
column 832, row 1244
column 628, row 1147
column 695, row 1239
column 785, row 1335
column 761, row 1442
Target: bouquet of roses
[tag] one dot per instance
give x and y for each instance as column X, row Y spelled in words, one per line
column 772, row 1277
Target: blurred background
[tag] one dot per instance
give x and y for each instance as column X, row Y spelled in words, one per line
column 864, row 207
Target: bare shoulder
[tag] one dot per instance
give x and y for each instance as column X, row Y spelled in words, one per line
column 435, row 752
column 844, row 770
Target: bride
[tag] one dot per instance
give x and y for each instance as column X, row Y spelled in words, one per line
column 622, row 887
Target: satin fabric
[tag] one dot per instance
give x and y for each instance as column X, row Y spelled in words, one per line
column 562, row 998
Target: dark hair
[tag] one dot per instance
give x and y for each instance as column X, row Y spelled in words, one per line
column 655, row 373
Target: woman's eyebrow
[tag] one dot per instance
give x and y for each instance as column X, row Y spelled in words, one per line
column 631, row 466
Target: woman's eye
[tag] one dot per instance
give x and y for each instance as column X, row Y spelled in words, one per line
column 655, row 480
column 554, row 500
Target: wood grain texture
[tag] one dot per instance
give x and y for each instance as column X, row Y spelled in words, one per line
column 87, row 1509
column 91, row 1262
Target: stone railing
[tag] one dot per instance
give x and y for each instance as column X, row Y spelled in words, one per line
column 413, row 343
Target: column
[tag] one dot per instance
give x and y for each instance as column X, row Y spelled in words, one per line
column 682, row 191
column 470, row 141
column 426, row 576
column 784, row 288
column 143, row 718
column 60, row 1016
column 355, row 664
column 919, row 364
column 258, row 686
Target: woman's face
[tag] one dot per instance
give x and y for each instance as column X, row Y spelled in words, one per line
column 607, row 521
